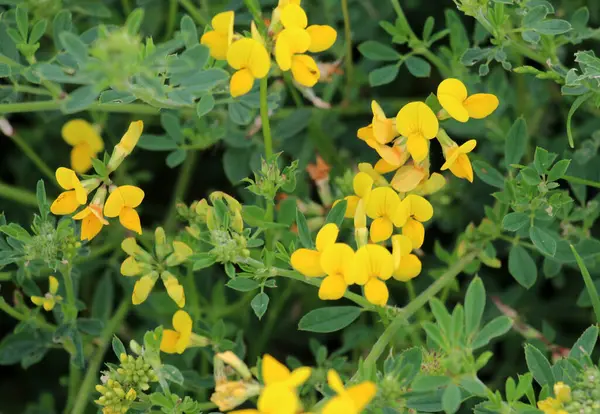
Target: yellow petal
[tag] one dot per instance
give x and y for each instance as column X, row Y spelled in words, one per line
column 65, row 203
column 48, row 304
column 381, row 229
column 462, row 168
column 52, row 285
column 451, row 94
column 339, row 404
column 333, row 287
column 467, row 146
column 175, row 292
column 307, row 262
column 293, row 15
column 335, row 382
column 142, row 289
column 384, row 167
column 362, row 184
column 322, row 37
column 217, row 43
column 371, row 261
column 409, row 268
column 37, row 300
column 305, row 70
column 392, row 155
column 401, row 214
column 273, row 371
column 90, row 227
column 382, row 202
column 223, row 22
column 352, row 203
column 241, row 83
column 433, row 184
column 451, row 154
column 278, row 398
column 169, row 340
column 337, row 259
column 481, row 105
column 283, row 53
column 130, row 267
column 407, row 178
column 416, row 118
column 326, row 236
column 299, row 376
column 78, row 131
column 68, row 180
column 81, row 157
column 401, row 247
column 417, row 147
column 415, row 231
column 249, row 54
column 130, row 219
column 420, row 208
column 366, row 133
column 82, row 214
column 383, row 128
column 376, row 292
column 123, row 196
column 297, row 40
column 362, row 394
column 131, row 136
column 182, row 322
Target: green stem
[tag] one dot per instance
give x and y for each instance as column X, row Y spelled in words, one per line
column 31, row 154
column 54, row 105
column 194, row 12
column 192, row 293
column 71, row 315
column 183, row 182
column 405, row 313
column 577, row 180
column 17, row 194
column 589, row 284
column 287, row 77
column 264, row 116
column 27, row 89
column 348, row 59
column 74, row 380
column 126, row 7
column 422, row 315
column 41, row 323
column 171, row 19
column 273, row 317
column 402, row 17
column 105, row 339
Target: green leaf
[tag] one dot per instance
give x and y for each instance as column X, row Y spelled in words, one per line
column 189, row 31
column 176, row 157
column 451, row 399
column 4, row 70
column 40, row 194
column 171, row 374
column 239, row 113
column 104, row 293
column 172, row 126
column 336, row 214
column 134, row 21
column 495, row 328
column 515, row 221
column 459, row 39
column 589, row 283
column 293, row 124
column 16, row 232
column 543, row 240
column 90, row 326
column 516, row 142
column 243, row 284
column 429, row 382
column 205, row 105
column 521, row 266
column 474, row 305
column 303, row 231
column 37, row 31
column 80, row 99
column 378, row 51
column 530, row 176
column 22, row 19
column 74, row 47
column 99, row 167
column 559, row 170
column 488, row 174
column 329, row 319
column 236, row 163
column 539, row 366
column 552, row 27
column 15, row 347
column 542, row 160
column 578, row 102
column 534, row 16
column 383, row 75
column 157, row 143
column 259, row 304
column 62, row 22
column 118, row 347
column 202, row 260
column 418, row 67
column 585, row 344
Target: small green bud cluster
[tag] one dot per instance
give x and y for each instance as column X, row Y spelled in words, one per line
column 585, row 394
column 51, row 245
column 114, row 398
column 271, row 178
column 135, row 372
column 229, row 247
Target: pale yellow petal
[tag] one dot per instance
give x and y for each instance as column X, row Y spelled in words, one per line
column 77, row 131
column 81, row 157
column 376, row 292
column 362, row 184
column 307, row 262
column 322, row 37
column 241, row 83
column 480, row 105
column 418, row 147
column 326, row 236
column 415, row 231
column 293, row 15
column 333, row 287
column 65, row 203
column 52, row 285
column 273, row 371
column 409, row 268
column 305, row 70
column 407, row 178
column 142, row 289
column 451, row 94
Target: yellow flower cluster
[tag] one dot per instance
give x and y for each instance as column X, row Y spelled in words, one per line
column 121, row 201
column 554, row 405
column 50, row 299
column 250, row 56
column 181, row 337
column 403, row 145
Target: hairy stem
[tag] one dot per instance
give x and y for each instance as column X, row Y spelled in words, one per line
column 39, row 322
column 589, row 284
column 31, row 154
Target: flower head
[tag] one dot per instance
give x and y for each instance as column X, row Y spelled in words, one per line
column 174, row 289
column 458, row 160
column 49, row 299
column 251, row 61
column 362, row 183
column 85, row 141
column 416, row 210
column 383, row 207
column 308, row 261
column 177, row 340
column 350, row 400
column 121, row 202
column 372, row 265
column 76, row 195
column 453, row 97
column 142, row 288
column 408, row 177
column 92, row 221
column 219, row 39
column 125, row 145
column 407, row 266
column 417, row 122
column 336, row 262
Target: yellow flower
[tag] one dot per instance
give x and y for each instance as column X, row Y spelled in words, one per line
column 551, row 406
column 274, row 372
column 49, row 299
column 92, row 221
column 85, row 141
column 562, row 392
column 308, row 261
column 251, row 61
column 336, row 262
column 348, row 401
column 453, row 97
column 433, row 184
column 177, row 340
column 121, row 202
column 408, row 177
column 127, row 143
column 174, row 289
column 417, row 122
column 407, row 266
column 142, row 288
column 458, row 160
column 76, row 195
column 383, row 207
column 417, row 210
column 219, row 39
column 362, row 184
column 372, row 265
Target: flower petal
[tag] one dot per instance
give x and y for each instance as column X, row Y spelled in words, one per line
column 407, row 178
column 335, row 382
column 366, row 133
column 362, row 394
column 382, row 202
column 420, row 208
column 468, row 146
column 417, row 147
column 131, row 137
column 326, row 236
column 182, row 322
column 451, row 154
column 451, row 94
column 381, row 229
column 66, row 178
column 81, row 157
column 283, row 53
column 384, row 167
column 307, row 262
column 169, row 341
column 223, row 22
column 376, row 292
column 339, row 404
column 392, row 155
column 415, row 231
column 273, row 371
column 142, row 289
column 409, row 268
column 217, row 43
column 78, row 131
column 322, row 37
column 65, row 203
column 90, row 227
column 352, row 203
column 333, row 287
column 481, row 105
column 305, row 70
column 278, row 398
column 130, row 267
column 293, row 15
column 336, row 259
column 52, row 285
column 416, row 118
column 462, row 168
column 401, row 247
column 362, row 184
column 299, row 376
column 241, row 83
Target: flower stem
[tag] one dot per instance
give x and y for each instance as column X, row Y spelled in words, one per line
column 194, row 12
column 30, row 153
column 577, row 180
column 17, row 194
column 71, row 315
column 264, row 116
column 41, row 323
column 105, row 339
column 183, row 182
column 589, row 284
column 348, row 59
column 171, row 19
column 74, row 380
column 54, row 105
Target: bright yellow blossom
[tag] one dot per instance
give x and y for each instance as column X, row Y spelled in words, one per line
column 458, row 160
column 121, row 202
column 418, row 210
column 336, row 262
column 251, row 61
column 417, row 122
column 562, row 392
column 453, row 97
column 219, row 39
column 351, row 400
column 407, row 266
column 433, row 184
column 49, row 299
column 76, row 195
column 308, row 261
column 551, row 406
column 142, row 288
column 408, row 177
column 383, row 207
column 372, row 265
column 362, row 184
column 92, row 221
column 127, row 143
column 177, row 340
column 85, row 141
column 174, row 289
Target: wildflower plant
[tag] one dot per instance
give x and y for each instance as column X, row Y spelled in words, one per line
column 234, row 194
